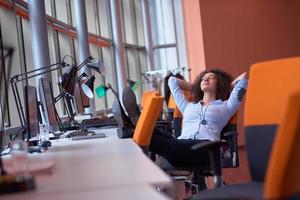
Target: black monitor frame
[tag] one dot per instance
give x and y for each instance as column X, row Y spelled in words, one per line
column 2, row 131
column 48, row 105
column 33, row 116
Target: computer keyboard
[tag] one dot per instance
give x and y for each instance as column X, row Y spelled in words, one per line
column 86, row 137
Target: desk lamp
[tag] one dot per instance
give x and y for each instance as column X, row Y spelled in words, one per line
column 101, row 90
column 28, row 75
column 133, row 84
column 68, row 79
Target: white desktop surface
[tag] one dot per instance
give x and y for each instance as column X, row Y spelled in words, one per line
column 143, row 192
column 99, row 166
column 96, row 167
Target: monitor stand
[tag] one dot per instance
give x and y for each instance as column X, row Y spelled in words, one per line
column 36, row 146
column 81, row 132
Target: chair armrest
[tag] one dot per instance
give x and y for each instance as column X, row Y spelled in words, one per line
column 230, row 133
column 163, row 122
column 209, row 145
column 213, row 149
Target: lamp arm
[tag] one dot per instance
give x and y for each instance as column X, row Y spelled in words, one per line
column 15, row 79
column 35, row 70
column 18, row 102
column 59, row 96
column 79, row 78
column 84, row 62
column 113, row 91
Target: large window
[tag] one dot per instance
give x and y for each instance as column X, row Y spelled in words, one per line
column 164, row 35
column 133, row 41
column 12, row 62
column 62, row 41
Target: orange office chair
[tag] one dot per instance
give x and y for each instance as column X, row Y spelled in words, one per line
column 133, row 111
column 145, row 95
column 270, row 85
column 130, row 103
column 228, row 157
column 282, row 176
column 146, row 122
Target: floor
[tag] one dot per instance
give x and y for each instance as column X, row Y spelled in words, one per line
column 230, row 176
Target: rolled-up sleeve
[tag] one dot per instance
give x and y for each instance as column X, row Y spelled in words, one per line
column 177, row 93
column 237, row 95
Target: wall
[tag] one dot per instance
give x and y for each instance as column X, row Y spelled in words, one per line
column 194, row 37
column 238, row 33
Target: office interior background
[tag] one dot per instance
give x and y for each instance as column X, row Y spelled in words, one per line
column 144, row 40
column 185, row 36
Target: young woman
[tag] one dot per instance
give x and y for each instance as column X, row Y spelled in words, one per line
column 214, row 104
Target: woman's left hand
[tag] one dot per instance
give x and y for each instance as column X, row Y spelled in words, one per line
column 240, row 77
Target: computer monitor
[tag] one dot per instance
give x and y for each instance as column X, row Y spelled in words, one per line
column 32, row 111
column 1, row 127
column 48, row 104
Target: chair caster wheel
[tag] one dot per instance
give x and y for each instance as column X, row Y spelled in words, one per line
column 194, row 189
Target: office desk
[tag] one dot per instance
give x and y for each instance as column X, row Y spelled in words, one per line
column 143, row 192
column 96, row 165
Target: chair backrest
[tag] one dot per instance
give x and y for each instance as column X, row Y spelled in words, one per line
column 145, row 95
column 145, row 125
column 283, row 177
column 171, row 103
column 270, row 84
column 230, row 155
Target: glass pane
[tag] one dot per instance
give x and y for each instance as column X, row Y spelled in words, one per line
column 139, row 21
column 133, row 68
column 162, row 21
column 99, row 102
column 165, row 58
column 104, row 18
column 128, row 22
column 61, row 10
column 48, row 7
column 12, row 61
column 110, row 72
column 90, row 16
column 143, row 68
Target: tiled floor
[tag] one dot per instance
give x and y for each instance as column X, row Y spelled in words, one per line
column 230, row 176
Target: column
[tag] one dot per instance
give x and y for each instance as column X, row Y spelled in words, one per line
column 39, row 36
column 118, row 44
column 83, row 44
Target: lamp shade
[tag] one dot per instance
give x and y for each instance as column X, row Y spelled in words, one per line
column 96, row 65
column 101, row 91
column 88, row 87
column 67, row 80
column 132, row 84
